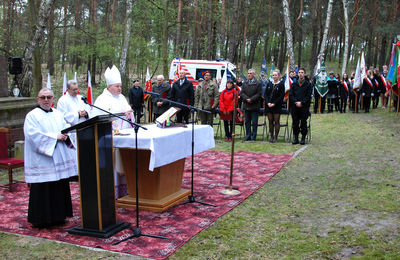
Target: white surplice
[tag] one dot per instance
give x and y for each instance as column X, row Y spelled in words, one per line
column 70, row 107
column 47, row 159
column 114, row 104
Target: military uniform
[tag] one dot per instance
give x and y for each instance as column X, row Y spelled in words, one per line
column 206, row 98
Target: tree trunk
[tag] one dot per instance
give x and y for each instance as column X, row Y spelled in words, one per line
column 114, row 8
column 267, row 37
column 50, row 57
column 233, row 32
column 8, row 22
column 246, row 20
column 209, row 29
column 64, row 41
column 93, row 23
column 165, row 39
column 314, row 41
column 178, row 48
column 77, row 59
column 346, row 36
column 223, row 28
column 326, row 30
column 26, row 78
column 195, row 30
column 124, row 55
column 289, row 36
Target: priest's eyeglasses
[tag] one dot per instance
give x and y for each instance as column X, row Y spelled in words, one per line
column 46, row 97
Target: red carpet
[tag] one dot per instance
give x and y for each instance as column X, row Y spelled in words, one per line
column 179, row 224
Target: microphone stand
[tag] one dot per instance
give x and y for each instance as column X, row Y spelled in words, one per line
column 137, row 232
column 191, row 198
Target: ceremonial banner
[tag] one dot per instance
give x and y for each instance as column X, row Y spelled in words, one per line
column 394, row 69
column 357, row 77
column 264, row 73
column 272, row 69
column 321, row 84
column 149, row 86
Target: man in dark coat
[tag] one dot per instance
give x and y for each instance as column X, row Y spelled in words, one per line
column 300, row 99
column 182, row 92
column 162, row 88
column 136, row 100
column 251, row 96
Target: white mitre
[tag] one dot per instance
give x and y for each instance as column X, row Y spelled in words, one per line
column 112, row 76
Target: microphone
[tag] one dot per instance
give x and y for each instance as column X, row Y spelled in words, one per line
column 84, row 99
column 151, row 93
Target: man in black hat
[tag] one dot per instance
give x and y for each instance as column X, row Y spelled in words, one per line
column 136, row 100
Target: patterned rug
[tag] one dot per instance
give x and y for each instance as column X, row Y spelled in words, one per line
column 179, row 223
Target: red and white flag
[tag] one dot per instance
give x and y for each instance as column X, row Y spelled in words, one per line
column 149, row 86
column 89, row 92
column 288, row 82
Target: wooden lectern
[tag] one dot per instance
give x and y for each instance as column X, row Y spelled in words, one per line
column 96, row 178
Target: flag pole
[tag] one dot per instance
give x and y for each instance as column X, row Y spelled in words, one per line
column 356, row 105
column 230, row 190
column 319, row 105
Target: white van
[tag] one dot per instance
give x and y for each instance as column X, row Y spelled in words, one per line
column 195, row 69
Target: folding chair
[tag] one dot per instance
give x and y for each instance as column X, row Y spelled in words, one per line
column 285, row 124
column 239, row 121
column 308, row 136
column 217, row 123
column 262, row 124
column 7, row 162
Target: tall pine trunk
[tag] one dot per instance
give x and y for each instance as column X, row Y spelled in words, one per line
column 289, row 35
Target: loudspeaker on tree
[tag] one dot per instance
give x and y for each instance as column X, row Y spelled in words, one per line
column 15, row 65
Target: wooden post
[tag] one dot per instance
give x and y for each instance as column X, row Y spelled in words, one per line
column 319, row 105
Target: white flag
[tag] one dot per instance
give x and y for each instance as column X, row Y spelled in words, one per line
column 65, row 83
column 357, row 77
column 48, row 81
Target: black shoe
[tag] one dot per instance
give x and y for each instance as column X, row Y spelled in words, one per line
column 303, row 140
column 295, row 140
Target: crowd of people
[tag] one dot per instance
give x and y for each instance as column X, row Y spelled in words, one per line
column 51, row 157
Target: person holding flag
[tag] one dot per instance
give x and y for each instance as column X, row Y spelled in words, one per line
column 366, row 90
column 344, row 90
column 320, row 87
column 300, row 100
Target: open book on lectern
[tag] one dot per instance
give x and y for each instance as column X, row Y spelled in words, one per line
column 165, row 119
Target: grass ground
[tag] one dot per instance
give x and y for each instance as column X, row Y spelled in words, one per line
column 339, row 198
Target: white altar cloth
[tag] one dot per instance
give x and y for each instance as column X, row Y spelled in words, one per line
column 167, row 145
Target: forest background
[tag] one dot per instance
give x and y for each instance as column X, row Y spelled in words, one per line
column 58, row 36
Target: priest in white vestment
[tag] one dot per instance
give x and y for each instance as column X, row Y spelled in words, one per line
column 72, row 106
column 113, row 101
column 49, row 163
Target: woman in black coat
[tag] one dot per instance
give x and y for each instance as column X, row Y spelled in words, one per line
column 274, row 94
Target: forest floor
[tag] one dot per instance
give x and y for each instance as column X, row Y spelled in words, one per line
column 338, row 198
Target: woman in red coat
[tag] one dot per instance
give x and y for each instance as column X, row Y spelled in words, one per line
column 226, row 106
